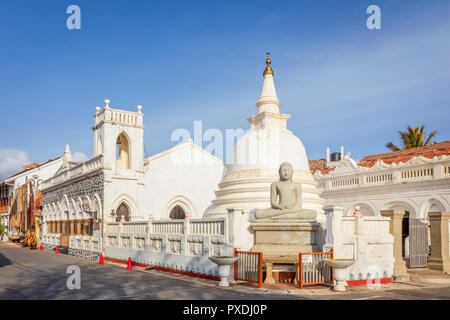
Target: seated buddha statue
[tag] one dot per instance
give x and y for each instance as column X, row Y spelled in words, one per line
column 285, row 199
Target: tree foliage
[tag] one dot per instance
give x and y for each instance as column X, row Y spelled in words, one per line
column 413, row 137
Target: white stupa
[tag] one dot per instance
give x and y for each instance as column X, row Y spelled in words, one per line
column 257, row 156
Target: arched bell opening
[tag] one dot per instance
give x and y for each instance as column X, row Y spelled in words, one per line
column 122, row 152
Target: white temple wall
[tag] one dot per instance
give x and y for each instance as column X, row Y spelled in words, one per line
column 184, row 175
column 124, row 190
column 365, row 239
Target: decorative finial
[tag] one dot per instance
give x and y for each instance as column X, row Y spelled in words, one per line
column 139, row 107
column 97, row 109
column 107, row 102
column 268, row 68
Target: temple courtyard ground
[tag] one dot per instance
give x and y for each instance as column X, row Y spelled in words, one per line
column 32, row 274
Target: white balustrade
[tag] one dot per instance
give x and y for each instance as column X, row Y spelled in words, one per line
column 112, row 227
column 447, row 169
column 207, row 227
column 379, row 178
column 176, row 232
column 82, row 168
column 168, row 227
column 417, row 174
column 410, row 173
column 134, row 227
column 344, row 183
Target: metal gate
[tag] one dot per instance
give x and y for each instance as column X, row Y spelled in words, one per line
column 312, row 268
column 249, row 267
column 418, row 243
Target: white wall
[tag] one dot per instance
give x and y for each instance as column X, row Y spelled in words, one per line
column 44, row 172
column 366, row 240
column 185, row 175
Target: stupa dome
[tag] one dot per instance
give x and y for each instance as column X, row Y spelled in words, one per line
column 268, row 148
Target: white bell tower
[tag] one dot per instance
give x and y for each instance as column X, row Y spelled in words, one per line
column 119, row 139
column 119, row 136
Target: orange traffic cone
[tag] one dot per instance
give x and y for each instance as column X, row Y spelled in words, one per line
column 129, row 264
column 41, row 248
column 56, row 250
column 101, row 259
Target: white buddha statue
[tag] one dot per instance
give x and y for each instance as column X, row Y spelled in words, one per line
column 285, row 199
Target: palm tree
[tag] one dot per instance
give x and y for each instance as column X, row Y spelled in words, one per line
column 413, row 137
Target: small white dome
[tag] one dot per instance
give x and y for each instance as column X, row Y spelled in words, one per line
column 268, row 149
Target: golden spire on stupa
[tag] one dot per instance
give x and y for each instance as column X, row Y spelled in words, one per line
column 268, row 68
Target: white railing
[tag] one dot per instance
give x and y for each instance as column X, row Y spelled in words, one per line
column 447, row 169
column 394, row 175
column 344, row 182
column 379, row 178
column 168, row 227
column 417, row 174
column 82, row 168
column 119, row 116
column 85, row 243
column 210, row 227
column 51, row 239
column 134, row 227
column 123, row 117
column 112, row 227
column 170, row 236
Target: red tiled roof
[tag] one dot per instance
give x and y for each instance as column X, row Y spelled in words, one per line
column 316, row 164
column 31, row 165
column 429, row 151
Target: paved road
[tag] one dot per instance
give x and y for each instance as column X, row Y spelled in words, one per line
column 33, row 274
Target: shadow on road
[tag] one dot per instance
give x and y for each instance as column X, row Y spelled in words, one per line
column 4, row 261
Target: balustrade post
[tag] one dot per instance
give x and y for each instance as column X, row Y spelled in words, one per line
column 395, row 228
column 334, row 227
column 186, row 227
column 440, row 257
column 438, row 171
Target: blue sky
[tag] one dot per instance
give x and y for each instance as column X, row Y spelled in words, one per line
column 203, row 60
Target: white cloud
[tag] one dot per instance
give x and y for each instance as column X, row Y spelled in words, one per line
column 79, row 157
column 11, row 161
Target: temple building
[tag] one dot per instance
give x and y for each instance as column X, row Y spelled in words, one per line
column 25, row 182
column 176, row 208
column 119, row 185
column 414, row 181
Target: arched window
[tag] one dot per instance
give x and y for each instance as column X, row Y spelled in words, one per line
column 122, row 210
column 177, row 213
column 122, row 152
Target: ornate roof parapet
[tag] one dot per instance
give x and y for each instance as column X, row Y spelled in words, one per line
column 122, row 117
column 416, row 169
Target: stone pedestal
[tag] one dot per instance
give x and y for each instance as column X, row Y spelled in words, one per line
column 281, row 241
column 440, row 256
column 285, row 237
column 400, row 272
